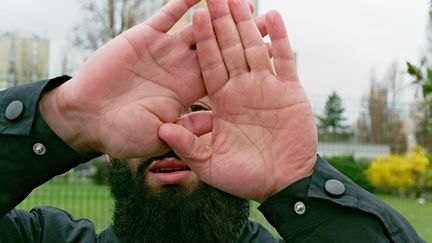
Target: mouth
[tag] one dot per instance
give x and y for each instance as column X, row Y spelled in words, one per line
column 168, row 169
column 167, row 163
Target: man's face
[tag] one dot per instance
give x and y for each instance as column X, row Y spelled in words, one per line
column 168, row 169
column 161, row 200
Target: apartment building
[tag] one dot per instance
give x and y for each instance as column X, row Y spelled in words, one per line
column 23, row 59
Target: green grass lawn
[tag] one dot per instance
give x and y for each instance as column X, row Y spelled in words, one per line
column 420, row 216
column 95, row 203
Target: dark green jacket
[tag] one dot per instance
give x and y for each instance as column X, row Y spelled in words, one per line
column 325, row 207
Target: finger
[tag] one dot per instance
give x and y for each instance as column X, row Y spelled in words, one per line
column 255, row 50
column 269, row 49
column 228, row 37
column 283, row 56
column 198, row 123
column 260, row 22
column 251, row 6
column 185, row 144
column 170, row 14
column 186, row 33
column 210, row 59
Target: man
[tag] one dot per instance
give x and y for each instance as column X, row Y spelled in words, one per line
column 258, row 142
column 160, row 199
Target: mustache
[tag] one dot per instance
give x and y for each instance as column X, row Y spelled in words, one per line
column 146, row 162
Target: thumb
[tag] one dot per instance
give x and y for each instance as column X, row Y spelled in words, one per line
column 187, row 146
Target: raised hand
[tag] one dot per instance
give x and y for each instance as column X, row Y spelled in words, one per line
column 263, row 133
column 128, row 88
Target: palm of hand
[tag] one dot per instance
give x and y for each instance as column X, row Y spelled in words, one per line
column 261, row 128
column 139, row 80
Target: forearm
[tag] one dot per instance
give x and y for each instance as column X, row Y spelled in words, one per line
column 307, row 210
column 31, row 153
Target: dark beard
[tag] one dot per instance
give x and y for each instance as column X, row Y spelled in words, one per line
column 205, row 215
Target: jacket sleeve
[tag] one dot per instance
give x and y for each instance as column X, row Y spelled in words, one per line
column 45, row 225
column 254, row 232
column 329, row 207
column 30, row 152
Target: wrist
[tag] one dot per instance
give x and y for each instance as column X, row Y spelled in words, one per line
column 62, row 116
column 298, row 173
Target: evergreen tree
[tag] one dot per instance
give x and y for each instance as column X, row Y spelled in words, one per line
column 331, row 125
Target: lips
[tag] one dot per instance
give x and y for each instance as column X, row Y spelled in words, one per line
column 168, row 169
column 168, row 165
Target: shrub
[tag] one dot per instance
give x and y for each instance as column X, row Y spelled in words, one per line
column 402, row 173
column 353, row 169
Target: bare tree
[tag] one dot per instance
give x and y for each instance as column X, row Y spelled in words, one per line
column 103, row 20
column 422, row 109
column 421, row 116
column 381, row 121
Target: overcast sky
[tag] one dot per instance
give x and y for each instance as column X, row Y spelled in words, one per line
column 338, row 42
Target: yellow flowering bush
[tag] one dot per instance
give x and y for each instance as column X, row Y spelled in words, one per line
column 401, row 172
